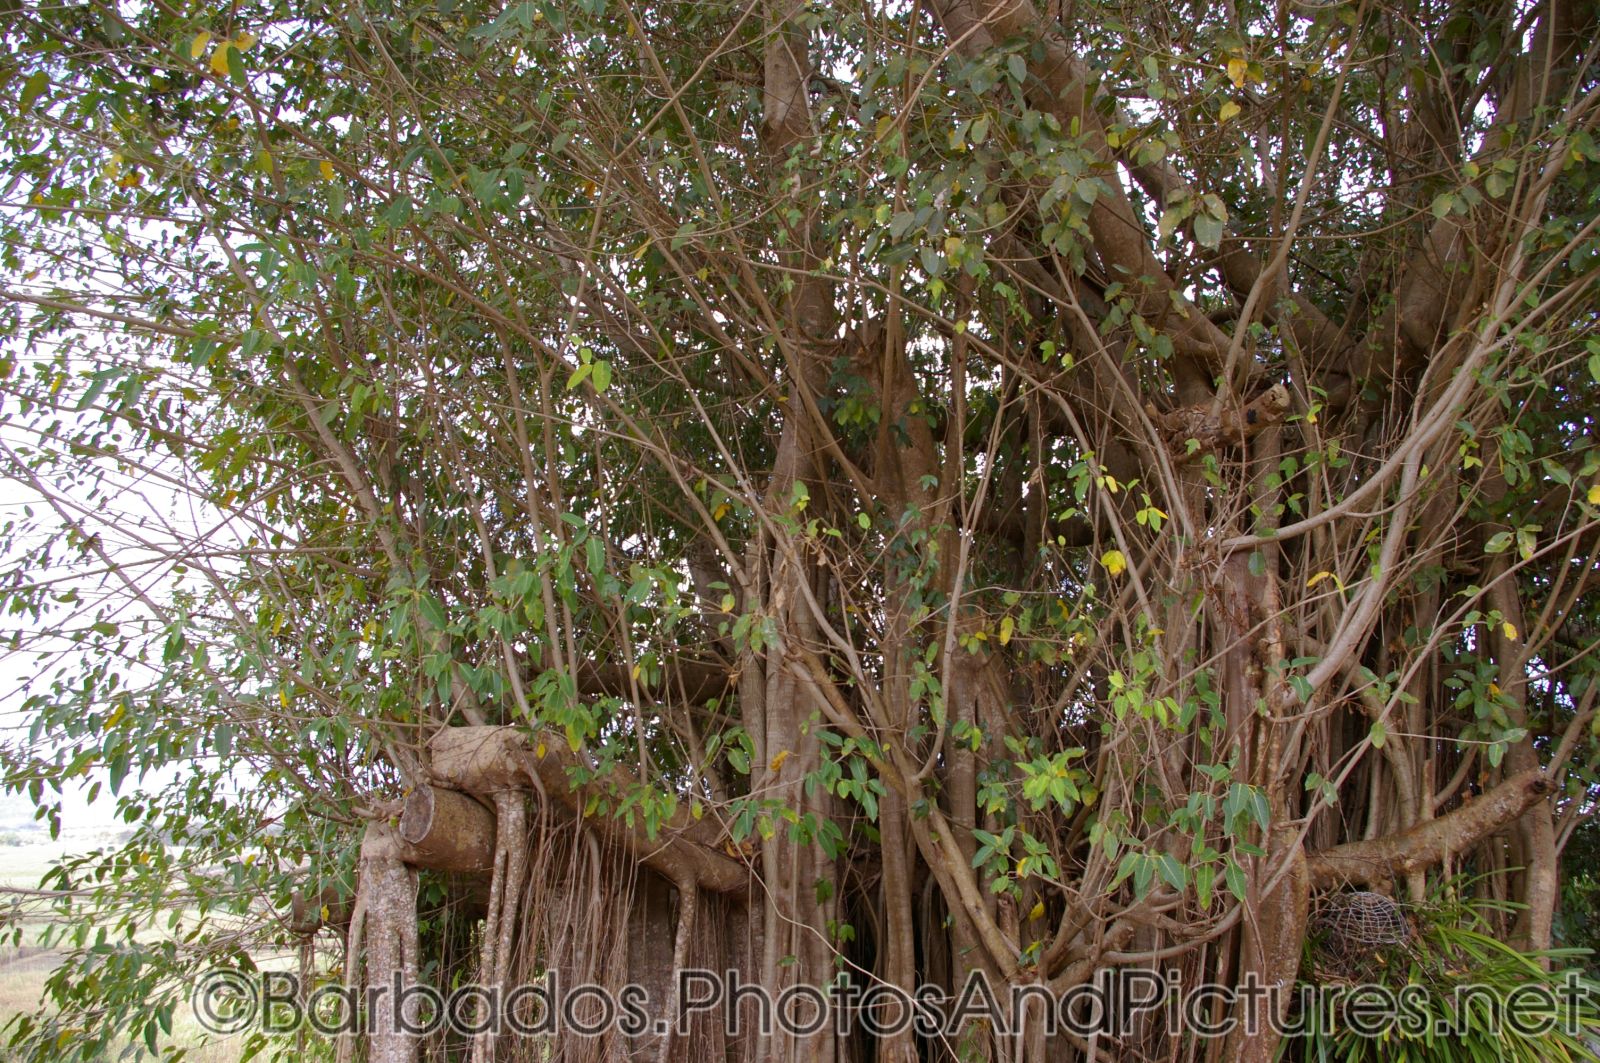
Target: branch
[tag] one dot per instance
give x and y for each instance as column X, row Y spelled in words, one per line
column 1427, row 844
column 1063, row 85
column 696, row 681
column 490, row 759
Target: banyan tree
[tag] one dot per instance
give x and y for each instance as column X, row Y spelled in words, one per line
column 909, row 493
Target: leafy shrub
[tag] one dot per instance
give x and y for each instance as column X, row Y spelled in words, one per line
column 1454, row 945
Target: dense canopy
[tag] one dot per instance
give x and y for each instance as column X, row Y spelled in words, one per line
column 852, row 493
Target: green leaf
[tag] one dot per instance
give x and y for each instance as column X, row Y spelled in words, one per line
column 1172, row 873
column 1208, row 230
column 432, row 611
column 601, row 377
column 1236, row 881
column 1143, row 874
column 33, row 88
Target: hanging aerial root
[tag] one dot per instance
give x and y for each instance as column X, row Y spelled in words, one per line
column 576, row 905
column 486, row 760
column 354, row 936
column 505, row 891
column 385, row 922
column 688, row 908
column 572, row 921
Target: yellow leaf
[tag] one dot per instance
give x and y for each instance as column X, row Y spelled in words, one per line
column 697, row 810
column 1007, row 626
column 197, row 47
column 1318, row 578
column 1114, row 562
column 721, row 511
column 1594, row 495
column 1509, row 630
column 1238, row 70
column 219, row 59
column 1037, row 912
column 777, row 761
column 283, row 699
column 245, row 41
column 538, row 751
column 327, row 170
column 1229, row 110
